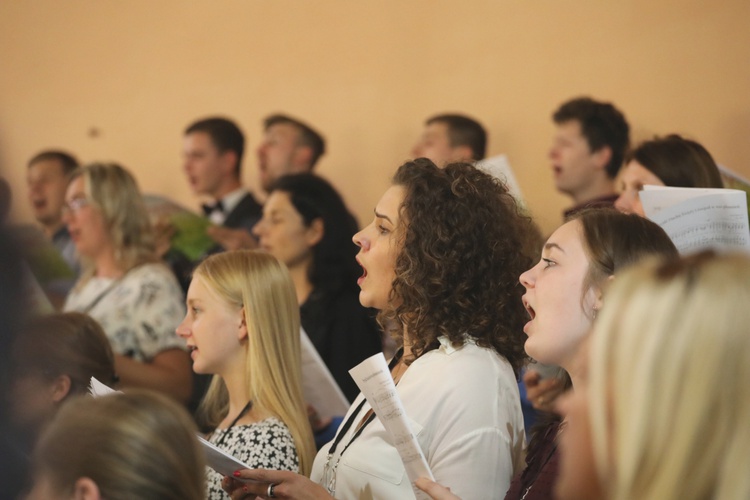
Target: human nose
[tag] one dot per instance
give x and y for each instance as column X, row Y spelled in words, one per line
column 527, row 278
column 67, row 213
column 623, row 203
column 360, row 239
column 259, row 228
column 183, row 329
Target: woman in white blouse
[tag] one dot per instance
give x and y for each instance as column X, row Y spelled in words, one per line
column 440, row 261
column 123, row 286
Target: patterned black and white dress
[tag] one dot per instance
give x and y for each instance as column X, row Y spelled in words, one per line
column 267, row 444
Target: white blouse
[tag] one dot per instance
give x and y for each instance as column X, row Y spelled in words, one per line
column 463, row 405
column 139, row 313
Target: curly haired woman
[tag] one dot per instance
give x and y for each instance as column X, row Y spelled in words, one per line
column 440, row 261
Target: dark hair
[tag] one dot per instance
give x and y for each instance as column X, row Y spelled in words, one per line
column 678, row 162
column 71, row 344
column 307, row 135
column 465, row 242
column 614, row 240
column 67, row 161
column 334, row 267
column 225, row 136
column 602, row 124
column 464, row 131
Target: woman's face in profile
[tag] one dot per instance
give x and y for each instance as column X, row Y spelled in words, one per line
column 282, row 231
column 379, row 246
column 85, row 223
column 632, row 179
column 560, row 317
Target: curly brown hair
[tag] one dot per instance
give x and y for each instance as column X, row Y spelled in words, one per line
column 465, row 243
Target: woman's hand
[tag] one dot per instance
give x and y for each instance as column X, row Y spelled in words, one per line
column 285, row 485
column 435, row 491
column 542, row 393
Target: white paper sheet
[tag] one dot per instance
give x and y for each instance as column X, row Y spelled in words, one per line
column 374, row 380
column 699, row 219
column 217, row 459
column 499, row 167
column 222, row 462
column 319, row 388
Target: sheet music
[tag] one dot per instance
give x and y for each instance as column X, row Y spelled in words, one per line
column 217, row 459
column 319, row 388
column 374, row 380
column 698, row 219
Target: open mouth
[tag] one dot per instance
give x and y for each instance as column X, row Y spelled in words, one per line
column 364, row 272
column 529, row 309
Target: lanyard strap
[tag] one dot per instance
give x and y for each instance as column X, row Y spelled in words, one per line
column 350, row 421
column 239, row 416
column 106, row 291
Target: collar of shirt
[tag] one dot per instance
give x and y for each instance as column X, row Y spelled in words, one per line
column 445, row 344
column 229, row 202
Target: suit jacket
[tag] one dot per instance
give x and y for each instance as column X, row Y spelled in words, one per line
column 245, row 215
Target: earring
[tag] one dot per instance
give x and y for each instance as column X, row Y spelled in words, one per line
column 596, row 312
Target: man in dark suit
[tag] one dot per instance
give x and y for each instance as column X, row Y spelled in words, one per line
column 212, row 151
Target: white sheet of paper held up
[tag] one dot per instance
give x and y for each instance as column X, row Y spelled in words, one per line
column 374, row 380
column 319, row 388
column 217, row 459
column 699, row 218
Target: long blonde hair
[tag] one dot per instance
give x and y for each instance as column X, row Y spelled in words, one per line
column 135, row 445
column 113, row 191
column 670, row 381
column 262, row 286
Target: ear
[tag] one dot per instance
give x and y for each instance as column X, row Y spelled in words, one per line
column 602, row 156
column 599, row 293
column 60, row 388
column 302, row 159
column 315, row 232
column 242, row 334
column 86, row 489
column 462, row 153
column 228, row 160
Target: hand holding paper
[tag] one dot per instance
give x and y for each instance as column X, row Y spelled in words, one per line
column 374, row 380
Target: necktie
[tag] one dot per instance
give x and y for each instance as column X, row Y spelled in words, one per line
column 208, row 209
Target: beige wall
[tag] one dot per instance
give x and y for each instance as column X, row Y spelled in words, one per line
column 366, row 74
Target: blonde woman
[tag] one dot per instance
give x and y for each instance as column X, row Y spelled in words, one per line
column 242, row 325
column 122, row 446
column 666, row 404
column 136, row 299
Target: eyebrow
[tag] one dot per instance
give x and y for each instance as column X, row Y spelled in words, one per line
column 382, row 216
column 550, row 246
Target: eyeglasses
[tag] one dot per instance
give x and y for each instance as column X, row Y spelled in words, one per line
column 75, row 205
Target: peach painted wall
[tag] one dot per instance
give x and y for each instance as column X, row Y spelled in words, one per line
column 119, row 80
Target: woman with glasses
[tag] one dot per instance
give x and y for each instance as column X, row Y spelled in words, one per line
column 135, row 298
